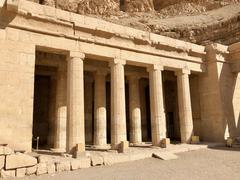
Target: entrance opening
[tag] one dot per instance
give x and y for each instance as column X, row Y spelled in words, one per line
column 171, row 106
column 148, row 114
column 41, row 111
column 122, row 5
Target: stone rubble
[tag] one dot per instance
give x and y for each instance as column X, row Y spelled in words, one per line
column 26, row 165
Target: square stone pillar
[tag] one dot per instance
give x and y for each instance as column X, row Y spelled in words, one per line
column 158, row 119
column 100, row 111
column 118, row 106
column 75, row 102
column 61, row 112
column 184, row 105
column 135, row 109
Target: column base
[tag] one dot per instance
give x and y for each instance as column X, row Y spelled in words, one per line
column 102, row 147
column 58, row 150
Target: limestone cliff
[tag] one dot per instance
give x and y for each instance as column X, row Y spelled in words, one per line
column 198, row 21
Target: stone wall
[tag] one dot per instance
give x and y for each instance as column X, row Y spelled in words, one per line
column 17, row 87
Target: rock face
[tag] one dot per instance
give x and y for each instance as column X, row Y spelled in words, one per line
column 138, row 5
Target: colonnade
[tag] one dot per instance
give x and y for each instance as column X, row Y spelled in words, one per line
column 75, row 105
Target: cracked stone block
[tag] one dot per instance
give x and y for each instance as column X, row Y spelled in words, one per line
column 41, row 169
column 31, row 170
column 96, row 160
column 19, row 160
column 21, row 172
column 63, row 166
column 4, row 150
column 7, row 173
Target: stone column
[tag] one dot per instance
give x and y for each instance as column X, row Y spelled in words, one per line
column 100, row 111
column 158, row 119
column 75, row 96
column 118, row 106
column 184, row 105
column 61, row 112
column 135, row 110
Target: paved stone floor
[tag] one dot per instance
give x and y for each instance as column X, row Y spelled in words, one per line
column 211, row 164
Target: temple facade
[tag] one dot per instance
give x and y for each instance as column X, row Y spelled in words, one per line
column 68, row 79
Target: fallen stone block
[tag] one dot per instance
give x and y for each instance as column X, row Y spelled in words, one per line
column 20, row 172
column 41, row 169
column 165, row 142
column 51, row 168
column 4, row 150
column 164, row 155
column 96, row 160
column 7, row 173
column 63, row 166
column 2, row 161
column 116, row 158
column 19, row 160
column 31, row 170
column 123, row 147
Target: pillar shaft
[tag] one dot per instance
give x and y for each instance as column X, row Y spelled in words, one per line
column 134, row 110
column 118, row 110
column 100, row 116
column 61, row 112
column 184, row 103
column 158, row 119
column 76, row 134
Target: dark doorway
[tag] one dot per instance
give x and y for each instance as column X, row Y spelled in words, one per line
column 148, row 114
column 122, row 5
column 170, row 125
column 127, row 111
column 41, row 110
column 108, row 106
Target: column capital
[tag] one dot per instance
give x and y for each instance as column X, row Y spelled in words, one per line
column 76, row 54
column 117, row 61
column 184, row 71
column 155, row 67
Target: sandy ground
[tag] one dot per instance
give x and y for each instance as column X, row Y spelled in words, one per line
column 210, row 164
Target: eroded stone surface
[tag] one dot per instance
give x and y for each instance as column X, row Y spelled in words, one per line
column 96, row 160
column 41, row 169
column 4, row 150
column 19, row 160
column 20, row 172
column 31, row 170
column 7, row 173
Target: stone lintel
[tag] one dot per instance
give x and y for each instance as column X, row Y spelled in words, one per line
column 182, row 72
column 155, row 67
column 76, row 54
column 117, row 61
